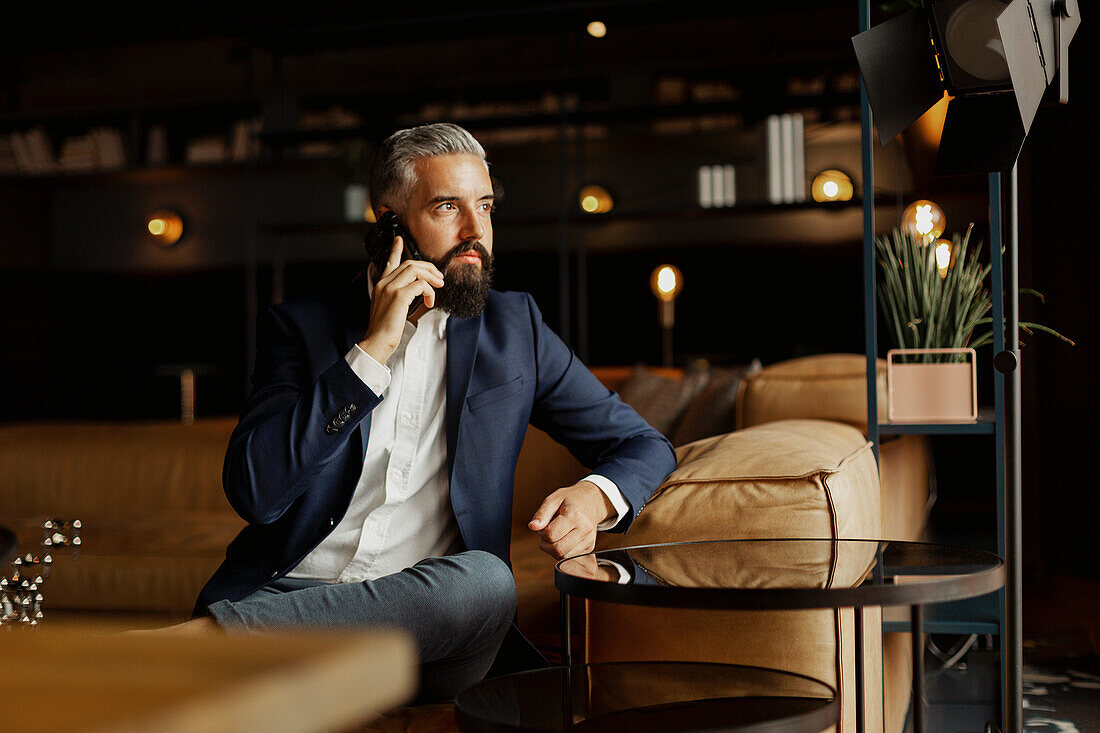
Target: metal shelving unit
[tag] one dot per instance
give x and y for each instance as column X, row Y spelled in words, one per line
column 999, row 613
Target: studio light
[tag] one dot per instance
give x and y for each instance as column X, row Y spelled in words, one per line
column 597, row 29
column 995, row 59
column 165, row 227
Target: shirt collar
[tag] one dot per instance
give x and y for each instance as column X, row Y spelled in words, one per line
column 434, row 316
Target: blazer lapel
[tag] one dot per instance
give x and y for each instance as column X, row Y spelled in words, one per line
column 462, row 336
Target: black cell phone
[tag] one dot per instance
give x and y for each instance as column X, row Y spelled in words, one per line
column 379, row 242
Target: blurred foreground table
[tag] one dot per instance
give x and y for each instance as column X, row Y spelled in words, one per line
column 93, row 678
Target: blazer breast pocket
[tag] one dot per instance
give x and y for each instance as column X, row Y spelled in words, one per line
column 494, row 394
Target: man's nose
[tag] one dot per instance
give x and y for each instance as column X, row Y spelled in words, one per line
column 472, row 227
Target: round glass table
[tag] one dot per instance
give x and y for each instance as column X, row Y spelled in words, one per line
column 786, row 574
column 637, row 697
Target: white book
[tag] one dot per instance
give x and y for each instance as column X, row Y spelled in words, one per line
column 773, row 144
column 729, row 185
column 786, row 130
column 717, row 195
column 705, row 198
column 799, row 141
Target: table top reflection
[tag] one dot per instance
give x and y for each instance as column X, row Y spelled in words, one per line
column 648, row 696
column 781, row 574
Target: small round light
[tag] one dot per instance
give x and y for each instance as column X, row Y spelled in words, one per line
column 943, row 256
column 831, row 185
column 597, row 29
column 925, row 220
column 596, row 200
column 666, row 282
column 165, row 227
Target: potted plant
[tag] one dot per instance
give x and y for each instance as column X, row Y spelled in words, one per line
column 934, row 298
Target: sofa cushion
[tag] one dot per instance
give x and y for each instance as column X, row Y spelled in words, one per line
column 790, row 478
column 113, row 469
column 825, row 386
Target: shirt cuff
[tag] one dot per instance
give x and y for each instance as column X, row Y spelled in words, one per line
column 376, row 376
column 624, row 574
column 611, row 490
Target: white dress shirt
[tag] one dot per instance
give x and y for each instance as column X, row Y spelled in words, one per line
column 401, row 511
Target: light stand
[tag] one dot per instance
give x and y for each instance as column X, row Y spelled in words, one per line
column 1003, row 208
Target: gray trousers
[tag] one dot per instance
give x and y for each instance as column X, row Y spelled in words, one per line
column 457, row 608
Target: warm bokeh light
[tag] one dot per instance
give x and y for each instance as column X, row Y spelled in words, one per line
column 929, row 126
column 924, row 219
column 943, row 256
column 165, row 227
column 597, row 29
column 596, row 200
column 831, row 185
column 666, row 282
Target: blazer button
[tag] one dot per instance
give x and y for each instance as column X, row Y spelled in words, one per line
column 351, row 407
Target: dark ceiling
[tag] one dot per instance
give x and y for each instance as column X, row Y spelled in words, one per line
column 335, row 23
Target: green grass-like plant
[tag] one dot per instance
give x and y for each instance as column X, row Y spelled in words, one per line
column 926, row 311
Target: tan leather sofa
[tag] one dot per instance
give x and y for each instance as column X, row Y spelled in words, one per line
column 156, row 522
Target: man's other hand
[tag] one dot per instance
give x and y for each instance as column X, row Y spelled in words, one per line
column 566, row 522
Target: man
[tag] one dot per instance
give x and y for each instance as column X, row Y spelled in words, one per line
column 374, row 459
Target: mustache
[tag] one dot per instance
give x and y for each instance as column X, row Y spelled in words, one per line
column 470, row 246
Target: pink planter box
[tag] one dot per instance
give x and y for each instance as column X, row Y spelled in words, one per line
column 932, row 393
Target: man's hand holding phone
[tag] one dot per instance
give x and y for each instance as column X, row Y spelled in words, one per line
column 401, row 283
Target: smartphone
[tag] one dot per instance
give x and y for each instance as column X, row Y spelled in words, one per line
column 379, row 243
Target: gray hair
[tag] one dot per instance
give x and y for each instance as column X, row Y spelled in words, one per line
column 393, row 176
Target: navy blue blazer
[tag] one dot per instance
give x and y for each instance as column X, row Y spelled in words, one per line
column 292, row 463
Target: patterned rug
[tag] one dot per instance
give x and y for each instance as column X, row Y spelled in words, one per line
column 1061, row 688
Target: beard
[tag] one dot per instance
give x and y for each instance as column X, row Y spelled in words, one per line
column 466, row 286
